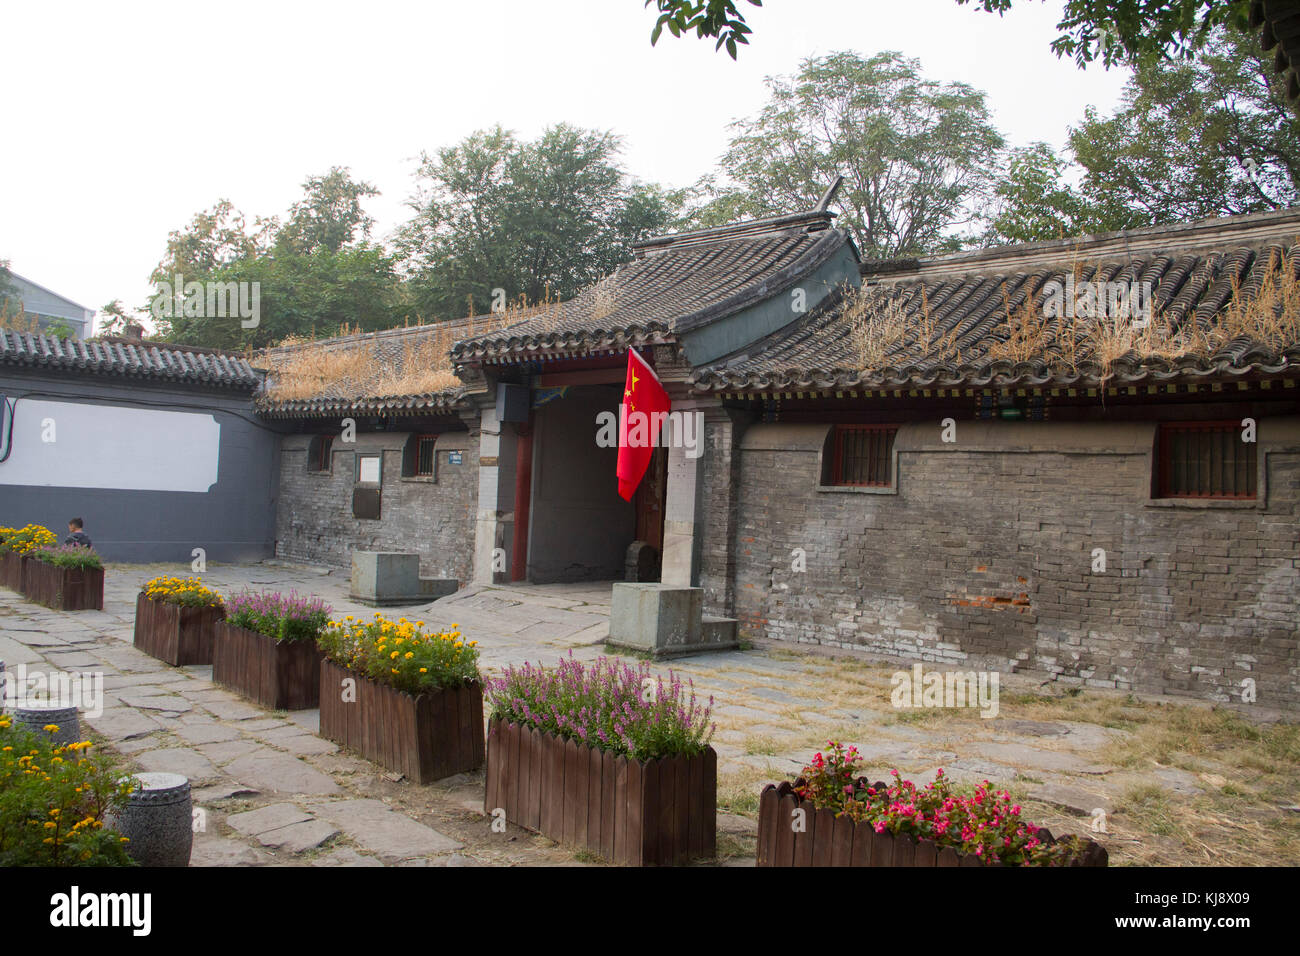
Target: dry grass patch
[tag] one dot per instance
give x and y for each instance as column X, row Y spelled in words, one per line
column 304, row 368
column 895, row 326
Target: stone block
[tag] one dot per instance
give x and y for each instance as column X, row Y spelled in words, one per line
column 663, row 620
column 392, row 578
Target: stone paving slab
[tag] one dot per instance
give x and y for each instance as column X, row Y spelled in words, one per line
column 776, row 707
column 280, row 773
column 391, row 835
column 267, row 818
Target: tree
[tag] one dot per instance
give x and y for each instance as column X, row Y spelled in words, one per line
column 1115, row 31
column 533, row 219
column 7, row 288
column 114, row 318
column 1112, row 31
column 1196, row 139
column 708, row 18
column 918, row 156
column 331, row 216
column 313, row 273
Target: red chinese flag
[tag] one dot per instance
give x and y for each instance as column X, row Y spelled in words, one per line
column 640, row 417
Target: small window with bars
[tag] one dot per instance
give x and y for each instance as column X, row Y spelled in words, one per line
column 419, row 456
column 862, row 455
column 1205, row 460
column 320, row 453
column 424, row 455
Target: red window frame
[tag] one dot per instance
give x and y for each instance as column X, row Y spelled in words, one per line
column 869, row 444
column 1206, row 461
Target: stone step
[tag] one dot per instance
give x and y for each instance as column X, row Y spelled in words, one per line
column 719, row 630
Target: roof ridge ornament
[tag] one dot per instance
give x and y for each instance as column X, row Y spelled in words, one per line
column 829, row 196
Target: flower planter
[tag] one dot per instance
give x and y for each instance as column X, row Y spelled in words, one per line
column 279, row 675
column 631, row 812
column 426, row 738
column 64, row 589
column 11, row 571
column 828, row 840
column 175, row 634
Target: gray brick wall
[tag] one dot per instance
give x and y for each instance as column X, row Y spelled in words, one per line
column 314, row 522
column 984, row 557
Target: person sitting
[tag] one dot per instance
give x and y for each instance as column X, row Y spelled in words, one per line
column 76, row 535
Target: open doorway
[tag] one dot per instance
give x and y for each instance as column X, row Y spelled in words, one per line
column 579, row 527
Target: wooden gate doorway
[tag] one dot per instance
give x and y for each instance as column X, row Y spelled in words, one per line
column 649, row 502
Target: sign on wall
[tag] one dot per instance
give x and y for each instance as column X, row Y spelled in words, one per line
column 77, row 445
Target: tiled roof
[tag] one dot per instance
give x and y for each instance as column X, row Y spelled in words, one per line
column 367, row 370
column 431, row 403
column 1280, row 33
column 140, row 360
column 1198, row 273
column 676, row 283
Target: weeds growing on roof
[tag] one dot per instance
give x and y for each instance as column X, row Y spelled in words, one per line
column 896, row 327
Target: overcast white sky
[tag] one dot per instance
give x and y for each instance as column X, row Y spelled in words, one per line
column 125, row 119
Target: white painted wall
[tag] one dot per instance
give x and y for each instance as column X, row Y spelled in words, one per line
column 112, row 447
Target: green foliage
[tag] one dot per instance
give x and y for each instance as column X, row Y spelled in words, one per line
column 7, row 288
column 1114, row 31
column 918, row 156
column 401, row 653
column 113, row 318
column 68, row 556
column 284, row 617
column 53, row 802
column 315, row 272
column 1191, row 140
column 539, row 220
column 708, row 18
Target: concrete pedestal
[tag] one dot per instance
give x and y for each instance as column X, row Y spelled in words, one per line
column 158, row 820
column 35, row 717
column 666, row 621
column 391, row 578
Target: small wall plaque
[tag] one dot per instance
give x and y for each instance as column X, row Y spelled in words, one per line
column 453, row 458
column 488, row 461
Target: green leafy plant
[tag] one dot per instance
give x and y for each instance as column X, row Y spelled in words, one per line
column 24, row 539
column 401, row 654
column 981, row 821
column 606, row 705
column 285, row 617
column 187, row 592
column 68, row 556
column 54, row 800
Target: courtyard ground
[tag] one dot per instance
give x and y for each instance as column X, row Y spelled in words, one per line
column 1180, row 782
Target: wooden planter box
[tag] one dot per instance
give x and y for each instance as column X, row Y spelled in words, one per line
column 425, row 738
column 174, row 634
column 279, row 675
column 828, row 840
column 64, row 589
column 631, row 812
column 11, row 571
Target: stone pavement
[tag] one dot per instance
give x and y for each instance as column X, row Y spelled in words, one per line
column 273, row 792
